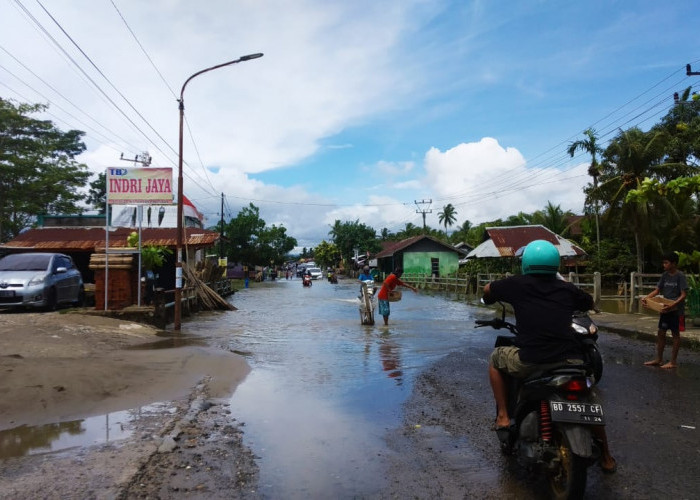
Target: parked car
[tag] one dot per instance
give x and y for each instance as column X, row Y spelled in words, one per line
column 40, row 280
column 316, row 273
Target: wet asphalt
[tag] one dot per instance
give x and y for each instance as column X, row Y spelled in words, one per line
column 335, row 409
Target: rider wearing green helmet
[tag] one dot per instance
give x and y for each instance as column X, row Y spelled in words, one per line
column 543, row 307
column 540, row 257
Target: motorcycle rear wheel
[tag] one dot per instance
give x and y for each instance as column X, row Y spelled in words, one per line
column 596, row 363
column 568, row 480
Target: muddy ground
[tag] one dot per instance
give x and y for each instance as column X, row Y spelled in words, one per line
column 58, row 367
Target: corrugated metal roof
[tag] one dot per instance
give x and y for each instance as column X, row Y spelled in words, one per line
column 395, row 246
column 86, row 239
column 392, row 248
column 506, row 241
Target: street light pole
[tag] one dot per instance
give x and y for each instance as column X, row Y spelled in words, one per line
column 180, row 228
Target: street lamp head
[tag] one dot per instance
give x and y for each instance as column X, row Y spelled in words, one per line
column 251, row 56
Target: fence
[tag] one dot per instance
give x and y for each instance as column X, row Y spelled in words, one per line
column 640, row 285
column 164, row 301
column 468, row 285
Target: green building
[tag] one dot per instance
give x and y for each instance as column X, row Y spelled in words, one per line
column 420, row 255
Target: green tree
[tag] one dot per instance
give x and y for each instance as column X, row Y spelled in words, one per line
column 97, row 194
column 410, row 230
column 385, row 234
column 272, row 245
column 348, row 236
column 243, row 231
column 630, row 157
column 553, row 218
column 327, row 254
column 590, row 146
column 38, row 170
column 447, row 216
column 682, row 124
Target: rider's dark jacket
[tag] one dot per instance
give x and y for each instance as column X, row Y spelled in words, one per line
column 543, row 307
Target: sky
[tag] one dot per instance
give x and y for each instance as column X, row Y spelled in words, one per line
column 372, row 111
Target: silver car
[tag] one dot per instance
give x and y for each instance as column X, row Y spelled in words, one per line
column 316, row 273
column 43, row 280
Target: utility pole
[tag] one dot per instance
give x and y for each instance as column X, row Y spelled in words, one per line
column 423, row 211
column 221, row 235
column 143, row 158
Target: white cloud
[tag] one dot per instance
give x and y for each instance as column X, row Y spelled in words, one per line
column 485, row 181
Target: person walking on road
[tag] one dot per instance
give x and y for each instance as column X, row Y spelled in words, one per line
column 674, row 286
column 390, row 283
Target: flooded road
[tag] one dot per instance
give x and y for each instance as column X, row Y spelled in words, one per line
column 324, row 389
column 334, row 409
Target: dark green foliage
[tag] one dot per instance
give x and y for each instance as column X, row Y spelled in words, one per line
column 348, row 236
column 251, row 242
column 38, row 171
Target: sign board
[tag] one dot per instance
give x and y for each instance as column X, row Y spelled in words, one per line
column 139, row 186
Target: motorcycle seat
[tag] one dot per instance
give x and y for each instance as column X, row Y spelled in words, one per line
column 563, row 368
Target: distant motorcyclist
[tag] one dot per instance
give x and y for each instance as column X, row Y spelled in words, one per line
column 365, row 275
column 543, row 307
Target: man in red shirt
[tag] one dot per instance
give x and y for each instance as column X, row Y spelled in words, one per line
column 390, row 283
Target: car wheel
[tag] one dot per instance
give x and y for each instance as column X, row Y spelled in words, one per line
column 80, row 302
column 51, row 299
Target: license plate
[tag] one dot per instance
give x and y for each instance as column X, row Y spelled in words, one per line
column 7, row 293
column 577, row 413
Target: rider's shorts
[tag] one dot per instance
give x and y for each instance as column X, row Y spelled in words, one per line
column 507, row 359
column 384, row 308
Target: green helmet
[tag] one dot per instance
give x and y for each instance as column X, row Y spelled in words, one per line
column 540, row 257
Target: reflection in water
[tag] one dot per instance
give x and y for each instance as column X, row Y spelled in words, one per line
column 390, row 352
column 324, row 389
column 26, row 440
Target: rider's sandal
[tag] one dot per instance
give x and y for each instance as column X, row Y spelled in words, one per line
column 610, row 470
column 502, row 432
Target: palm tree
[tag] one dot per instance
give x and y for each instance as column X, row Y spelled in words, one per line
column 590, row 146
column 409, row 231
column 553, row 218
column 447, row 216
column 632, row 156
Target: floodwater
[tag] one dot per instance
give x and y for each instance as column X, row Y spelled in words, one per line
column 324, row 389
column 32, row 440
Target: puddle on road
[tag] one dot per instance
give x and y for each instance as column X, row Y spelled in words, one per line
column 33, row 440
column 25, row 440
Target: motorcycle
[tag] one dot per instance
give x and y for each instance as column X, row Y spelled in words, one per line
column 306, row 281
column 587, row 332
column 367, row 302
column 552, row 414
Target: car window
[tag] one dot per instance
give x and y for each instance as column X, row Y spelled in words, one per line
column 24, row 262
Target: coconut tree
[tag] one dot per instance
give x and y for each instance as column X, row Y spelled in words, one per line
column 447, row 216
column 590, row 146
column 553, row 218
column 632, row 156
